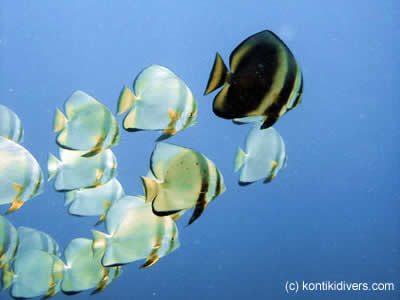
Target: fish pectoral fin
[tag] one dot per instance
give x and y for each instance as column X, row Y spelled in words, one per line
column 219, row 75
column 151, row 260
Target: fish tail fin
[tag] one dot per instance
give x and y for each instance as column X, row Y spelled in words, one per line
column 7, row 276
column 59, row 121
column 53, row 165
column 107, row 206
column 151, row 259
column 69, row 197
column 150, row 188
column 219, row 75
column 126, row 100
column 239, row 159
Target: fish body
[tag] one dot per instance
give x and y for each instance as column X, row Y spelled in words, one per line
column 83, row 268
column 74, row 171
column 88, row 125
column 94, row 201
column 160, row 101
column 21, row 177
column 182, row 179
column 135, row 233
column 264, row 155
column 265, row 80
column 10, row 125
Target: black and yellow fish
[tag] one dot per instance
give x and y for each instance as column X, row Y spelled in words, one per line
column 265, row 80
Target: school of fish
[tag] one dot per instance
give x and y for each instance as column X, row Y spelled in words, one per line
column 264, row 83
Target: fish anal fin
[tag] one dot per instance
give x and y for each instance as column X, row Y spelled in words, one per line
column 269, row 121
column 17, row 202
column 219, row 75
column 151, row 259
column 198, row 210
column 96, row 149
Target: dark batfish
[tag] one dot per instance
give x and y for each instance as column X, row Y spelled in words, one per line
column 265, row 80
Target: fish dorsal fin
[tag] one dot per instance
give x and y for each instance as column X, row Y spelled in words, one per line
column 219, row 75
column 78, row 101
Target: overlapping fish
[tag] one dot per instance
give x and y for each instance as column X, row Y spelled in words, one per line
column 264, row 155
column 35, row 267
column 162, row 101
column 36, row 273
column 76, row 172
column 10, row 125
column 89, row 126
column 30, row 238
column 182, row 178
column 21, row 177
column 83, row 268
column 265, row 80
column 135, row 233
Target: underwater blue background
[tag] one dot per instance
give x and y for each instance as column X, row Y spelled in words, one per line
column 332, row 214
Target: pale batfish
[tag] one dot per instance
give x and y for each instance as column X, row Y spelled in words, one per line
column 265, row 80
column 88, row 126
column 36, row 273
column 21, row 177
column 182, row 179
column 135, row 233
column 30, row 238
column 10, row 125
column 94, row 201
column 263, row 157
column 75, row 172
column 160, row 101
column 83, row 268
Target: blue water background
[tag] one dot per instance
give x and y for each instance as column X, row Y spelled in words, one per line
column 332, row 214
